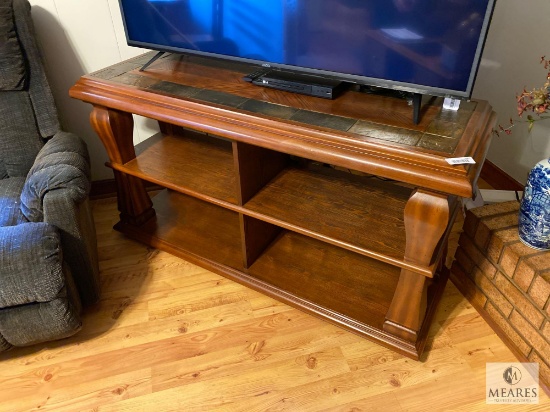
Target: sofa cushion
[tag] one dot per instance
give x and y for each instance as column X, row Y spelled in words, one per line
column 4, row 344
column 41, row 96
column 3, row 171
column 38, row 322
column 12, row 63
column 20, row 141
column 10, row 210
column 30, row 264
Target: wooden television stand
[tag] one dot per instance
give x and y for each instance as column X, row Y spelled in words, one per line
column 339, row 207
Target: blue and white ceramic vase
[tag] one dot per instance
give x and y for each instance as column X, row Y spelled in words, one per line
column 534, row 212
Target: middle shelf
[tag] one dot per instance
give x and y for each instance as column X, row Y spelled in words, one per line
column 356, row 212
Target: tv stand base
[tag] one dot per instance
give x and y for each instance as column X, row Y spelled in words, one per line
column 245, row 193
column 414, row 98
column 152, row 60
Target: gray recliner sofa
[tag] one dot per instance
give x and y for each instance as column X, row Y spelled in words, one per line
column 48, row 250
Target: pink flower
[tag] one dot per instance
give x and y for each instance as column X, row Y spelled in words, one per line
column 536, row 101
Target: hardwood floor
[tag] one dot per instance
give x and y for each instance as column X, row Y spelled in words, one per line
column 170, row 336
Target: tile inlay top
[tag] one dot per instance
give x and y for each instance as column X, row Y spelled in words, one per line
column 442, row 134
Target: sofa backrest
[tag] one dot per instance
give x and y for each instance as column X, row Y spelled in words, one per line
column 27, row 109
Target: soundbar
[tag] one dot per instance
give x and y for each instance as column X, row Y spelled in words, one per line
column 297, row 83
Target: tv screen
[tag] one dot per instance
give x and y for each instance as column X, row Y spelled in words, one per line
column 422, row 46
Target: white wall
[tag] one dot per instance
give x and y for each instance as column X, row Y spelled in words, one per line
column 80, row 36
column 517, row 39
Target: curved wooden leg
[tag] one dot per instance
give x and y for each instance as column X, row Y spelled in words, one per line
column 426, row 218
column 115, row 129
column 134, row 204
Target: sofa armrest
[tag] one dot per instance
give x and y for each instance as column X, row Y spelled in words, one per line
column 31, row 264
column 78, row 239
column 38, row 298
column 62, row 164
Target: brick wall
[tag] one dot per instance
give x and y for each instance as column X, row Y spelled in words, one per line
column 506, row 281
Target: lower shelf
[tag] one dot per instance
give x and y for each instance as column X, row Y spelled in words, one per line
column 344, row 283
column 186, row 223
column 343, row 287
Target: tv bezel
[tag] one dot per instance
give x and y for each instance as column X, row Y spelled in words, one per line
column 345, row 77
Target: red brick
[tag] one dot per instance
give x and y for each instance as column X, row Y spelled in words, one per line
column 507, row 221
column 497, row 242
column 524, row 251
column 476, row 215
column 493, row 217
column 544, row 369
column 546, row 332
column 515, row 339
column 540, row 290
column 470, row 223
column 495, row 209
column 524, row 275
column 531, row 335
column 518, row 299
column 511, row 255
column 464, row 260
column 540, row 262
column 508, row 235
column 476, row 256
column 509, row 261
column 493, row 294
column 467, row 287
column 505, row 279
column 482, row 236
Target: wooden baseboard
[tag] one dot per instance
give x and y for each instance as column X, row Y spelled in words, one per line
column 103, row 189
column 499, row 179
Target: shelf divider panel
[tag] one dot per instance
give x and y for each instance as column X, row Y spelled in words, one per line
column 255, row 167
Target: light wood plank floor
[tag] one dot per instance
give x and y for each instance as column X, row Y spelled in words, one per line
column 170, row 336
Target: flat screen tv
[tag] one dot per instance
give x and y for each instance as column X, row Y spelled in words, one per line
column 420, row 46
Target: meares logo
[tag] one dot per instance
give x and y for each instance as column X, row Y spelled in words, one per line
column 513, row 393
column 512, row 375
column 512, row 383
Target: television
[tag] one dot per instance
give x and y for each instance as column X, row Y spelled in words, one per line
column 420, row 46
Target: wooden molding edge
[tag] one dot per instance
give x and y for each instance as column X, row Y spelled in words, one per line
column 499, row 179
column 493, row 175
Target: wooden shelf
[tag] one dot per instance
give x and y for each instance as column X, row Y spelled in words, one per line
column 186, row 223
column 340, row 282
column 362, row 214
column 327, row 204
column 191, row 163
column 350, row 290
column 347, row 289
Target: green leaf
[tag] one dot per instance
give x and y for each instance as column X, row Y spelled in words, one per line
column 531, row 124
